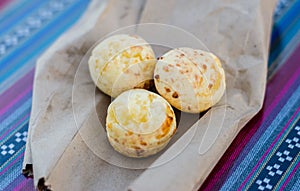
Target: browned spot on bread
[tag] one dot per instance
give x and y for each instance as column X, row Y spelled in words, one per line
column 181, row 54
column 160, row 58
column 178, row 64
column 201, row 54
column 156, row 76
column 210, row 86
column 147, row 84
column 109, row 126
column 175, row 95
column 139, row 152
column 204, row 66
column 144, row 143
column 136, row 48
column 189, row 108
column 165, row 127
column 136, row 147
column 130, row 133
column 116, row 140
column 166, row 69
column 147, row 57
column 167, row 89
column 170, row 65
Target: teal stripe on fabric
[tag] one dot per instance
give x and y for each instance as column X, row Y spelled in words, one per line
column 18, row 14
column 66, row 19
column 13, row 173
column 7, row 158
column 37, row 19
column 284, row 16
column 19, row 112
column 283, row 24
column 296, row 186
column 250, row 160
column 35, row 35
column 285, row 38
column 14, row 131
column 18, row 74
column 272, row 154
column 284, row 55
column 288, row 173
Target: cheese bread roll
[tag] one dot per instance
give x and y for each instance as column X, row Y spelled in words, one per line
column 120, row 63
column 190, row 80
column 140, row 123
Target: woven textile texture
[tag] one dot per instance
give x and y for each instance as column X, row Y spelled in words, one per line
column 264, row 156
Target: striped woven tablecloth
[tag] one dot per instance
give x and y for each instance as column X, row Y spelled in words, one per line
column 264, row 156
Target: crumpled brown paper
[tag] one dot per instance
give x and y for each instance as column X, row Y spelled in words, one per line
column 237, row 31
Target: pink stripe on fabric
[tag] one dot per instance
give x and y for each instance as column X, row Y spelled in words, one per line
column 15, row 125
column 271, row 101
column 12, row 163
column 290, row 177
column 12, row 92
column 21, row 185
column 268, row 150
column 3, row 3
column 14, row 101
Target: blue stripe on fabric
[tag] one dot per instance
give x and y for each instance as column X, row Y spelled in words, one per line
column 68, row 18
column 35, row 31
column 284, row 55
column 10, row 110
column 18, row 113
column 261, row 130
column 7, row 139
column 286, row 37
column 12, row 140
column 35, row 17
column 284, row 179
column 18, row 14
column 296, row 186
column 12, row 173
column 16, row 76
column 284, row 20
column 17, row 181
column 283, row 165
column 251, row 158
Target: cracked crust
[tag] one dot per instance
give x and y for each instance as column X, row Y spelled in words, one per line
column 140, row 123
column 190, row 80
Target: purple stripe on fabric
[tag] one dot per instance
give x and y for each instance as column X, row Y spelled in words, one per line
column 290, row 177
column 268, row 150
column 14, row 101
column 12, row 163
column 3, row 3
column 273, row 96
column 21, row 185
column 20, row 180
column 15, row 125
column 23, row 83
column 29, row 186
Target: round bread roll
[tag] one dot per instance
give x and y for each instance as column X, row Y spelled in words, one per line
column 122, row 62
column 139, row 123
column 190, row 80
